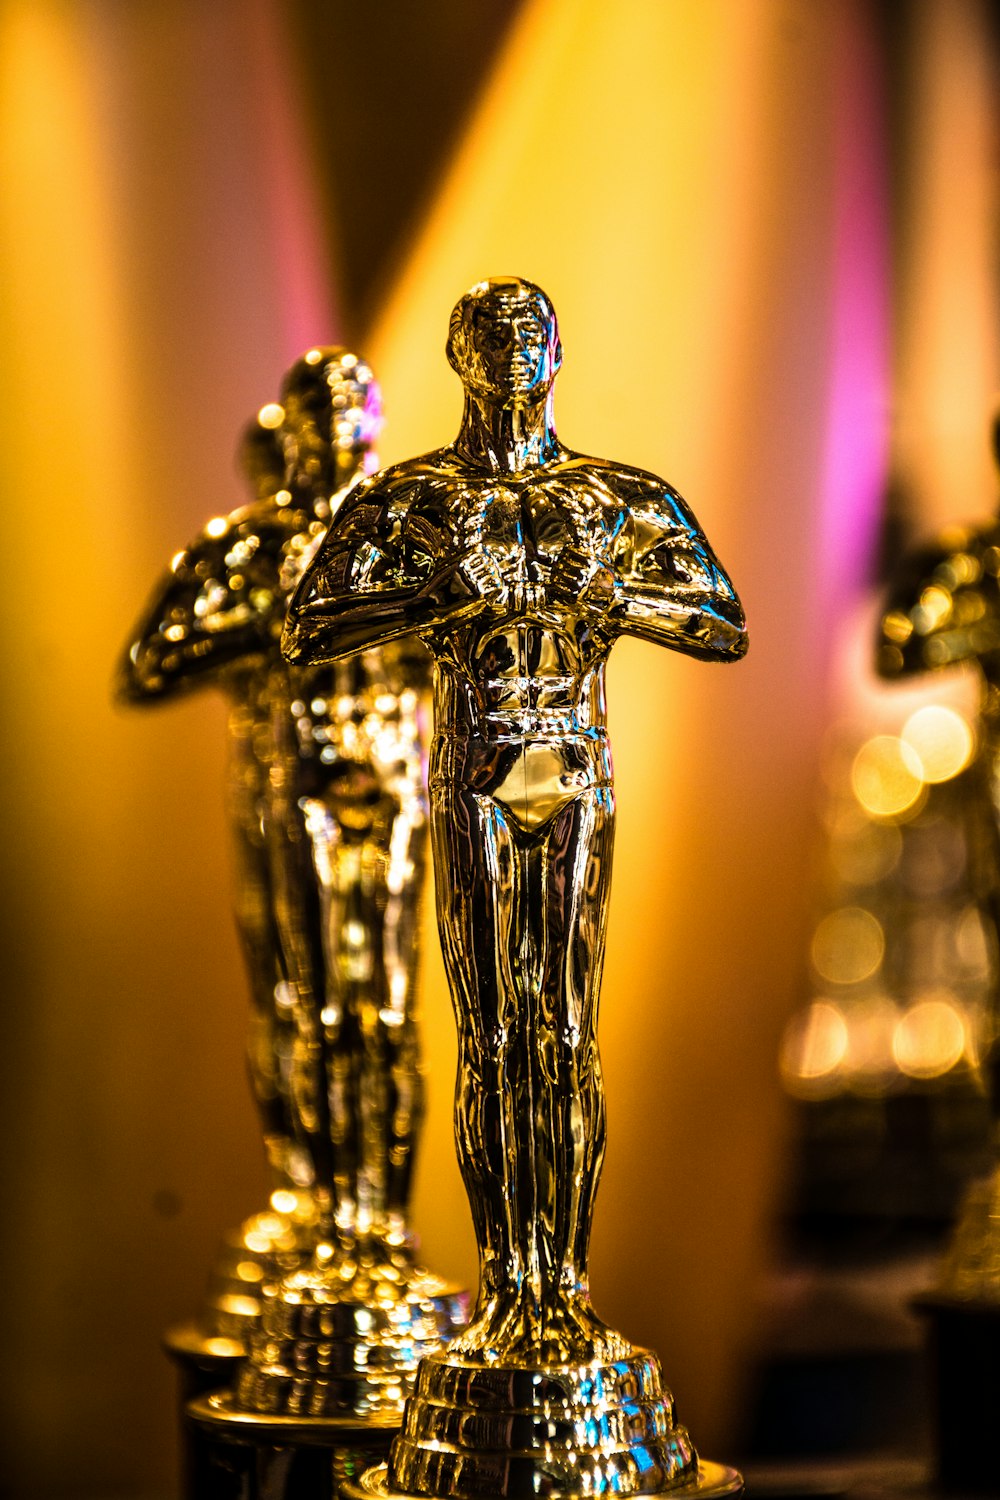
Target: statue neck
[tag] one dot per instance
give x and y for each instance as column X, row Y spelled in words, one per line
column 321, row 476
column 507, row 439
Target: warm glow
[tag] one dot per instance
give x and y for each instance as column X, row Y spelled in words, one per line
column 848, row 945
column 941, row 739
column 972, row 945
column 929, row 1039
column 863, row 851
column 815, row 1044
column 259, row 1242
column 871, row 1027
column 271, row 416
column 946, row 298
column 887, row 776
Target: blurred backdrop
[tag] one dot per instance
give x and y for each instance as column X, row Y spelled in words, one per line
column 769, row 230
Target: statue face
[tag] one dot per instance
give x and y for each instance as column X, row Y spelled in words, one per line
column 504, row 343
column 332, row 403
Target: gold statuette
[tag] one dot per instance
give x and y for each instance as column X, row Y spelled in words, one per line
column 519, row 563
column 329, row 816
column 943, row 611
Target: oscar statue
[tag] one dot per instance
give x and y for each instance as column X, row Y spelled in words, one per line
column 518, row 563
column 329, row 817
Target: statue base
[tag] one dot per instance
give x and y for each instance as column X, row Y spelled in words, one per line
column 342, row 1337
column 239, row 1455
column 475, row 1431
column 204, row 1362
column 709, row 1482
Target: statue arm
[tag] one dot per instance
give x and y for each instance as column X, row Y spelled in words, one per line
column 207, row 615
column 327, row 619
column 373, row 580
column 671, row 589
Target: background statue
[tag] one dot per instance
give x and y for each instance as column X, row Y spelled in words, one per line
column 329, row 814
column 519, row 563
column 942, row 610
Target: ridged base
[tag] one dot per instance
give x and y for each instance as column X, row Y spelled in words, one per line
column 268, row 1244
column 473, row 1431
column 708, row 1482
column 234, row 1455
column 345, row 1340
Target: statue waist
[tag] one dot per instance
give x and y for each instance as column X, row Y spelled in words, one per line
column 535, row 776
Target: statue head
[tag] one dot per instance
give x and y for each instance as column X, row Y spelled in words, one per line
column 261, row 454
column 332, row 415
column 503, row 341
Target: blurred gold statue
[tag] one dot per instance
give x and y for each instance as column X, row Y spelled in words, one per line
column 329, row 815
column 519, row 563
column 943, row 610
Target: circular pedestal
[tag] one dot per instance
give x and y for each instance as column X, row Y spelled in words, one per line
column 204, row 1363
column 475, row 1431
column 340, row 1340
column 964, row 1350
column 242, row 1455
column 709, row 1482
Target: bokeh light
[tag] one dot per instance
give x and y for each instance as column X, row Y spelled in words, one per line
column 814, row 1048
column 941, row 739
column 862, row 851
column 871, row 1028
column 848, row 945
column 930, row 1038
column 887, row 777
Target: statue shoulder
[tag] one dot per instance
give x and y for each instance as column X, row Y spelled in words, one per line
column 403, row 491
column 219, row 602
column 649, row 498
column 253, row 536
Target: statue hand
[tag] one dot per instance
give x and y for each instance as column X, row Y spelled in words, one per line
column 482, row 572
column 586, row 583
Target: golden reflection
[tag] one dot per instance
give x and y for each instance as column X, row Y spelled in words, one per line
column 932, row 610
column 329, row 815
column 848, row 945
column 941, row 739
column 871, row 1027
column 972, row 945
column 930, row 1038
column 521, row 563
column 814, row 1047
column 271, row 416
column 887, row 777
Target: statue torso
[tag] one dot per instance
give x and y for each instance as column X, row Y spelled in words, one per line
column 531, row 663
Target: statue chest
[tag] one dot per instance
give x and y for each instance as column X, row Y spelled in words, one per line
column 526, row 528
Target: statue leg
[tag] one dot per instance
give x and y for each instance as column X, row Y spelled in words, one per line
column 568, row 1094
column 480, row 915
column 300, row 923
column 401, row 878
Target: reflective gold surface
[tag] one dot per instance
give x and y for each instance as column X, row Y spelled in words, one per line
column 519, row 563
column 329, row 818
